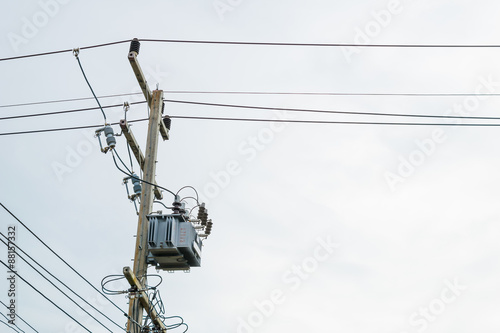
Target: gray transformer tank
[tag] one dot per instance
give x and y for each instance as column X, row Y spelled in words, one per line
column 173, row 243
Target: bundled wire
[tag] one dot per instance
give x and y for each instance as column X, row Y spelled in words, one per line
column 112, row 278
column 117, row 277
column 157, row 304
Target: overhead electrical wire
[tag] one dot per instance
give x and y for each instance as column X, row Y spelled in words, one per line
column 296, row 121
column 66, row 128
column 64, row 51
column 59, row 289
column 250, row 43
column 17, row 329
column 17, row 247
column 129, row 172
column 64, row 261
column 5, row 323
column 296, row 93
column 235, row 106
column 67, row 100
column 48, row 299
column 18, row 316
column 270, row 108
column 313, row 93
column 64, row 111
column 113, row 152
column 88, row 83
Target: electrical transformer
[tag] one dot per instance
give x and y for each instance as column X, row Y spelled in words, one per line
column 173, row 243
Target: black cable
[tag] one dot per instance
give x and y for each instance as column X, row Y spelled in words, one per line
column 63, row 51
column 332, row 111
column 54, row 285
column 321, row 44
column 184, row 41
column 152, row 306
column 9, row 326
column 262, row 93
column 142, row 180
column 63, row 111
column 332, row 122
column 117, row 155
column 18, row 316
column 176, row 325
column 88, row 83
column 48, row 299
column 115, row 278
column 268, row 108
column 262, row 120
column 312, row 93
column 17, row 247
column 67, row 128
column 64, row 261
column 17, row 329
column 116, row 164
column 157, row 285
column 67, row 100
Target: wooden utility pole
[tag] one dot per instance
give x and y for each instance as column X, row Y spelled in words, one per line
column 147, row 198
column 137, row 277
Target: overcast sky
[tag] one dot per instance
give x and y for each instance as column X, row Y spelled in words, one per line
column 317, row 227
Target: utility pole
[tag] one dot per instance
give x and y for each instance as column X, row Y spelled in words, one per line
column 137, row 278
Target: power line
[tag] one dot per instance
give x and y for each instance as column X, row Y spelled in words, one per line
column 58, row 280
column 332, row 111
column 60, row 258
column 65, row 128
column 88, row 83
column 48, row 299
column 297, row 93
column 18, row 316
column 3, row 322
column 63, row 51
column 313, row 93
column 332, row 122
column 321, row 44
column 336, row 122
column 250, row 43
column 17, row 329
column 364, row 113
column 113, row 152
column 66, row 100
column 53, row 284
column 64, row 111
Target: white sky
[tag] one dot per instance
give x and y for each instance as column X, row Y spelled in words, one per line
column 400, row 246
